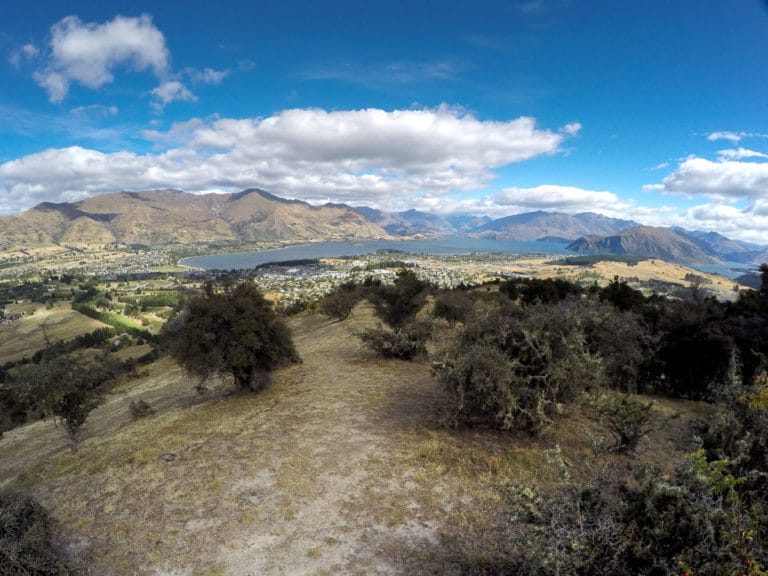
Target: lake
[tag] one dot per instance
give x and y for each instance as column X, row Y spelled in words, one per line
column 442, row 247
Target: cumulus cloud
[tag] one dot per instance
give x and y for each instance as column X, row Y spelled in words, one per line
column 367, row 156
column 87, row 53
column 749, row 224
column 173, row 91
column 561, row 199
column 732, row 136
column 571, row 129
column 731, row 180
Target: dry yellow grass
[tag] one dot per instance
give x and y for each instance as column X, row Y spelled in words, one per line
column 339, row 467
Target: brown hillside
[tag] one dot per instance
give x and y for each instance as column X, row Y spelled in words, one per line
column 163, row 217
column 648, row 242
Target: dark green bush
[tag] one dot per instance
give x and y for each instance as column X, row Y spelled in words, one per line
column 397, row 304
column 339, row 303
column 406, row 342
column 650, row 524
column 453, row 305
column 26, row 546
column 234, row 332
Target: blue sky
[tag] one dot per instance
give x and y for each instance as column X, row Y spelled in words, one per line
column 654, row 111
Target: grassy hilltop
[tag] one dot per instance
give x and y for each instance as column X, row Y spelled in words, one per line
column 341, row 466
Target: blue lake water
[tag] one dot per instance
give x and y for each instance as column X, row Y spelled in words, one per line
column 445, row 246
column 728, row 269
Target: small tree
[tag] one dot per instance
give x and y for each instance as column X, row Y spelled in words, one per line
column 65, row 390
column 235, row 332
column 514, row 369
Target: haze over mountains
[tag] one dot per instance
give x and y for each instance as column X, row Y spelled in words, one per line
column 168, row 217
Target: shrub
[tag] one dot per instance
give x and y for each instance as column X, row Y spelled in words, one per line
column 406, row 342
column 140, row 409
column 739, row 435
column 339, row 303
column 651, row 524
column 453, row 306
column 25, row 539
column 627, row 418
column 515, row 369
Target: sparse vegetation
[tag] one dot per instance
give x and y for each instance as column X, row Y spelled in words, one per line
column 348, row 437
column 140, row 409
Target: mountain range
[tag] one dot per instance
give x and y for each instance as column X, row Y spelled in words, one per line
column 172, row 217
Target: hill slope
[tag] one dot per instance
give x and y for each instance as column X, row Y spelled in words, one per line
column 536, row 225
column 163, row 217
column 337, row 468
column 646, row 241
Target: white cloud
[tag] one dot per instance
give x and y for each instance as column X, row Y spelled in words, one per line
column 206, row 75
column 560, row 199
column 732, row 136
column 361, row 156
column 720, row 180
column 173, row 91
column 96, row 110
column 26, row 52
column 571, row 129
column 749, row 224
column 87, row 53
column 741, row 153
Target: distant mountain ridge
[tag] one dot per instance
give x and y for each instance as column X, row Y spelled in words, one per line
column 162, row 217
column 536, row 225
column 646, row 241
column 173, row 217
